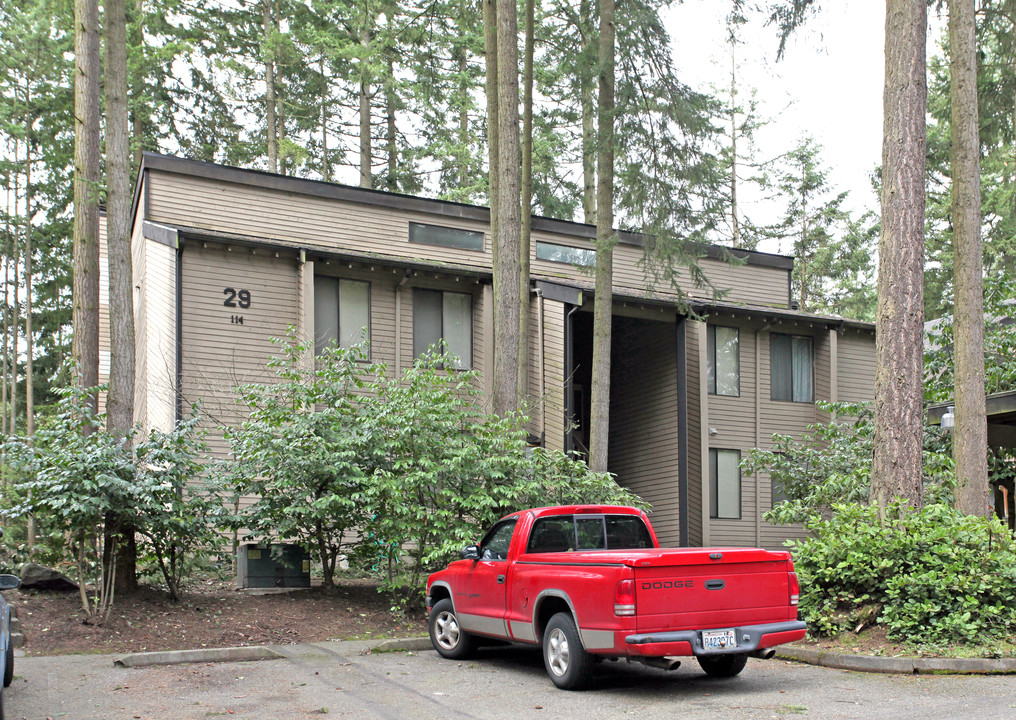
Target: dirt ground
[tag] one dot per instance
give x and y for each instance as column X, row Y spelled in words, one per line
column 211, row 613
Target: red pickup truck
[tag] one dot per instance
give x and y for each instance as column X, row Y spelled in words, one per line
column 589, row 582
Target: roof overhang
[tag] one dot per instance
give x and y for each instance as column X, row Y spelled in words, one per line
column 1001, row 412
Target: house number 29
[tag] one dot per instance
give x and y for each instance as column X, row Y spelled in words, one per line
column 236, row 298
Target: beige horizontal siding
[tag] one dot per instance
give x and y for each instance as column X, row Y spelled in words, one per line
column 334, row 225
column 856, row 368
column 554, row 373
column 697, row 415
column 218, row 355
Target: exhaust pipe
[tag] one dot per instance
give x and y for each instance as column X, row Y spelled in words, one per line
column 662, row 663
column 764, row 653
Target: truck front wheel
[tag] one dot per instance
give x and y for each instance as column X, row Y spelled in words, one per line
column 448, row 637
column 723, row 666
column 567, row 662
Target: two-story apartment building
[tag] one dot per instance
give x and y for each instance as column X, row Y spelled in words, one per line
column 226, row 259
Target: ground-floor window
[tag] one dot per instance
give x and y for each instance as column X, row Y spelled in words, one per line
column 443, row 317
column 725, row 484
column 341, row 312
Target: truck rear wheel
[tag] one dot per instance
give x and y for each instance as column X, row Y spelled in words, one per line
column 567, row 662
column 447, row 636
column 723, row 666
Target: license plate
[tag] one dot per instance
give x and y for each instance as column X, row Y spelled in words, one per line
column 718, row 639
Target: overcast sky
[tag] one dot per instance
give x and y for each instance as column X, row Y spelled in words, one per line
column 828, row 85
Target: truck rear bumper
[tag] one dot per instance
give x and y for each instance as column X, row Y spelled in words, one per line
column 689, row 642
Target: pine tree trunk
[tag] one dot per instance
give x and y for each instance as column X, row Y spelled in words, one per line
column 120, row 396
column 507, row 280
column 463, row 99
column 899, row 407
column 15, row 323
column 391, row 134
column 970, row 438
column 599, row 430
column 270, row 103
column 366, row 152
column 527, row 201
column 29, row 335
column 85, row 341
column 588, row 115
column 326, row 163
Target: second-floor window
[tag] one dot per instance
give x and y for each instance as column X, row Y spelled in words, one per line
column 565, row 254
column 341, row 312
column 792, row 368
column 723, row 360
column 444, row 318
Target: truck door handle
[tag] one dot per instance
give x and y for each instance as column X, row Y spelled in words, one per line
column 714, row 584
column 500, row 579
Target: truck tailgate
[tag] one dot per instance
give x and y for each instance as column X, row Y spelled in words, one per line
column 692, row 591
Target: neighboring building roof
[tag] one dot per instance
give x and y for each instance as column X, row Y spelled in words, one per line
column 366, row 196
column 1001, row 412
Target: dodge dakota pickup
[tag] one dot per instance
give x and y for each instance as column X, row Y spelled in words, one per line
column 589, row 583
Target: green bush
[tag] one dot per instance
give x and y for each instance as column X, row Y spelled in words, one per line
column 933, row 576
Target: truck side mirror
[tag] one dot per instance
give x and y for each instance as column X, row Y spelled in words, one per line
column 9, row 582
column 470, row 552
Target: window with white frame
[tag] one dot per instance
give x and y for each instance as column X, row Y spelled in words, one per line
column 446, row 318
column 792, row 371
column 725, row 484
column 341, row 312
column 723, row 360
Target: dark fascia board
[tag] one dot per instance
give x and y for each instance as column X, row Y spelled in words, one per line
column 704, row 307
column 1000, row 407
column 191, row 234
column 561, row 293
column 412, row 203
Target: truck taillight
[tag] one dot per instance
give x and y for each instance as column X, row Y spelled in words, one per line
column 795, row 589
column 624, row 598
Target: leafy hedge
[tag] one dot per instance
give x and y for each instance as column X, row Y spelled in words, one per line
column 934, row 576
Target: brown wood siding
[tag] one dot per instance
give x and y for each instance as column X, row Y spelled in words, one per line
column 328, row 224
column 554, row 314
column 218, row 354
column 856, row 366
column 696, row 483
column 643, row 448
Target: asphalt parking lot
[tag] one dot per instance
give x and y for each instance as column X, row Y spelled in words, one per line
column 339, row 679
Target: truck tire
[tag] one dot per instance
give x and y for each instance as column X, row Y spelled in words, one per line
column 447, row 636
column 567, row 662
column 723, row 666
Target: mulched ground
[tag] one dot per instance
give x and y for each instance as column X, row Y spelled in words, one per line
column 211, row 613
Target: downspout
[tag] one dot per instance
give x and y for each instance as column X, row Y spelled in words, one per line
column 398, row 322
column 542, row 365
column 179, row 330
column 682, row 430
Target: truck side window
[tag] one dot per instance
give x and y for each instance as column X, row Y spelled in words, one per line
column 552, row 534
column 497, row 541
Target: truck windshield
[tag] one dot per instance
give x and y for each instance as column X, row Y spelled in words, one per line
column 564, row 533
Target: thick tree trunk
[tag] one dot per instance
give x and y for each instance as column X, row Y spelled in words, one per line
column 527, row 201
column 507, row 279
column 270, row 103
column 391, row 131
column 85, row 319
column 588, row 115
column 970, row 438
column 599, row 430
column 899, row 408
column 366, row 152
column 735, row 223
column 120, row 396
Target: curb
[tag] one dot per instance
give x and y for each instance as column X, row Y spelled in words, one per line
column 176, row 657
column 403, row 645
column 899, row 665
